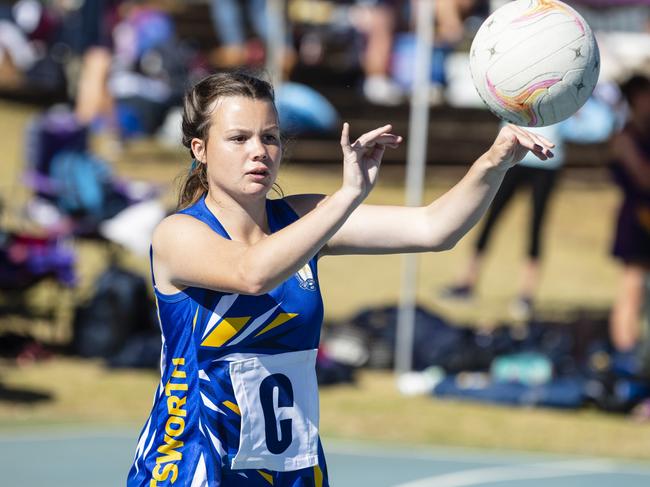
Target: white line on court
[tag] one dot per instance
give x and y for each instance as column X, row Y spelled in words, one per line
column 520, row 472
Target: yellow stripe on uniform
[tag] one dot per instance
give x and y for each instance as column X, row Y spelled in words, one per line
column 224, row 331
column 196, row 315
column 281, row 319
column 318, row 476
column 232, row 406
column 267, row 476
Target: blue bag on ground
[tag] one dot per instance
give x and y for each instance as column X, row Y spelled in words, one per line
column 564, row 392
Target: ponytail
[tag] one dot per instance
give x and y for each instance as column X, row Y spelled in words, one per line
column 194, row 186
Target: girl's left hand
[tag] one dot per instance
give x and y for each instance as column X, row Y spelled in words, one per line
column 512, row 143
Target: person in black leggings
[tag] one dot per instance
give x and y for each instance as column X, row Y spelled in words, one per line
column 542, row 181
column 593, row 123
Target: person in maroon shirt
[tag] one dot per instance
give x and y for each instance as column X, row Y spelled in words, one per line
column 631, row 168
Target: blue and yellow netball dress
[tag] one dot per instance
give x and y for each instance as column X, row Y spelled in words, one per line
column 237, row 403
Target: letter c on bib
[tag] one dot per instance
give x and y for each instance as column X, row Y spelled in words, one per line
column 285, row 400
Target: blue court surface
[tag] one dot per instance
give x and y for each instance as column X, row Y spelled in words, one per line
column 101, row 458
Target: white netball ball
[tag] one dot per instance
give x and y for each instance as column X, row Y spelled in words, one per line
column 534, row 62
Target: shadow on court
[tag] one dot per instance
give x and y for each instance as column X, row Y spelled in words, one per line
column 102, row 459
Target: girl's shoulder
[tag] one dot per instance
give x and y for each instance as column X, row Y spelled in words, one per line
column 178, row 226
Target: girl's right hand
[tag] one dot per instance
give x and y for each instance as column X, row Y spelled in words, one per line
column 361, row 159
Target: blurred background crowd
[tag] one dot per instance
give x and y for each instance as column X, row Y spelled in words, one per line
column 115, row 71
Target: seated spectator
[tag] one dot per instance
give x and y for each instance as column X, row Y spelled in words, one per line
column 449, row 31
column 231, row 27
column 376, row 21
column 131, row 86
column 28, row 30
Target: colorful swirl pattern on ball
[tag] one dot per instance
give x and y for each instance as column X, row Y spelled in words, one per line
column 540, row 8
column 523, row 103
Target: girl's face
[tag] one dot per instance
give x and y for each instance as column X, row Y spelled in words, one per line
column 243, row 150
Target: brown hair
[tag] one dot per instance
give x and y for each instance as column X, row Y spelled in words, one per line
column 634, row 85
column 197, row 110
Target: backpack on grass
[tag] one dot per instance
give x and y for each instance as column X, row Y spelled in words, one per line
column 119, row 309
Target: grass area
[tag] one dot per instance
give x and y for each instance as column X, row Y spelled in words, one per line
column 85, row 393
column 578, row 273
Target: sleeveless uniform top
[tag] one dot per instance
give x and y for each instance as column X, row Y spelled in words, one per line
column 238, row 402
column 632, row 237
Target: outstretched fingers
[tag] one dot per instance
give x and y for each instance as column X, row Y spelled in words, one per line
column 370, row 138
column 366, row 143
column 345, row 136
column 544, row 140
column 388, row 140
column 538, row 145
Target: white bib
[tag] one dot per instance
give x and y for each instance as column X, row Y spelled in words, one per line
column 278, row 400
